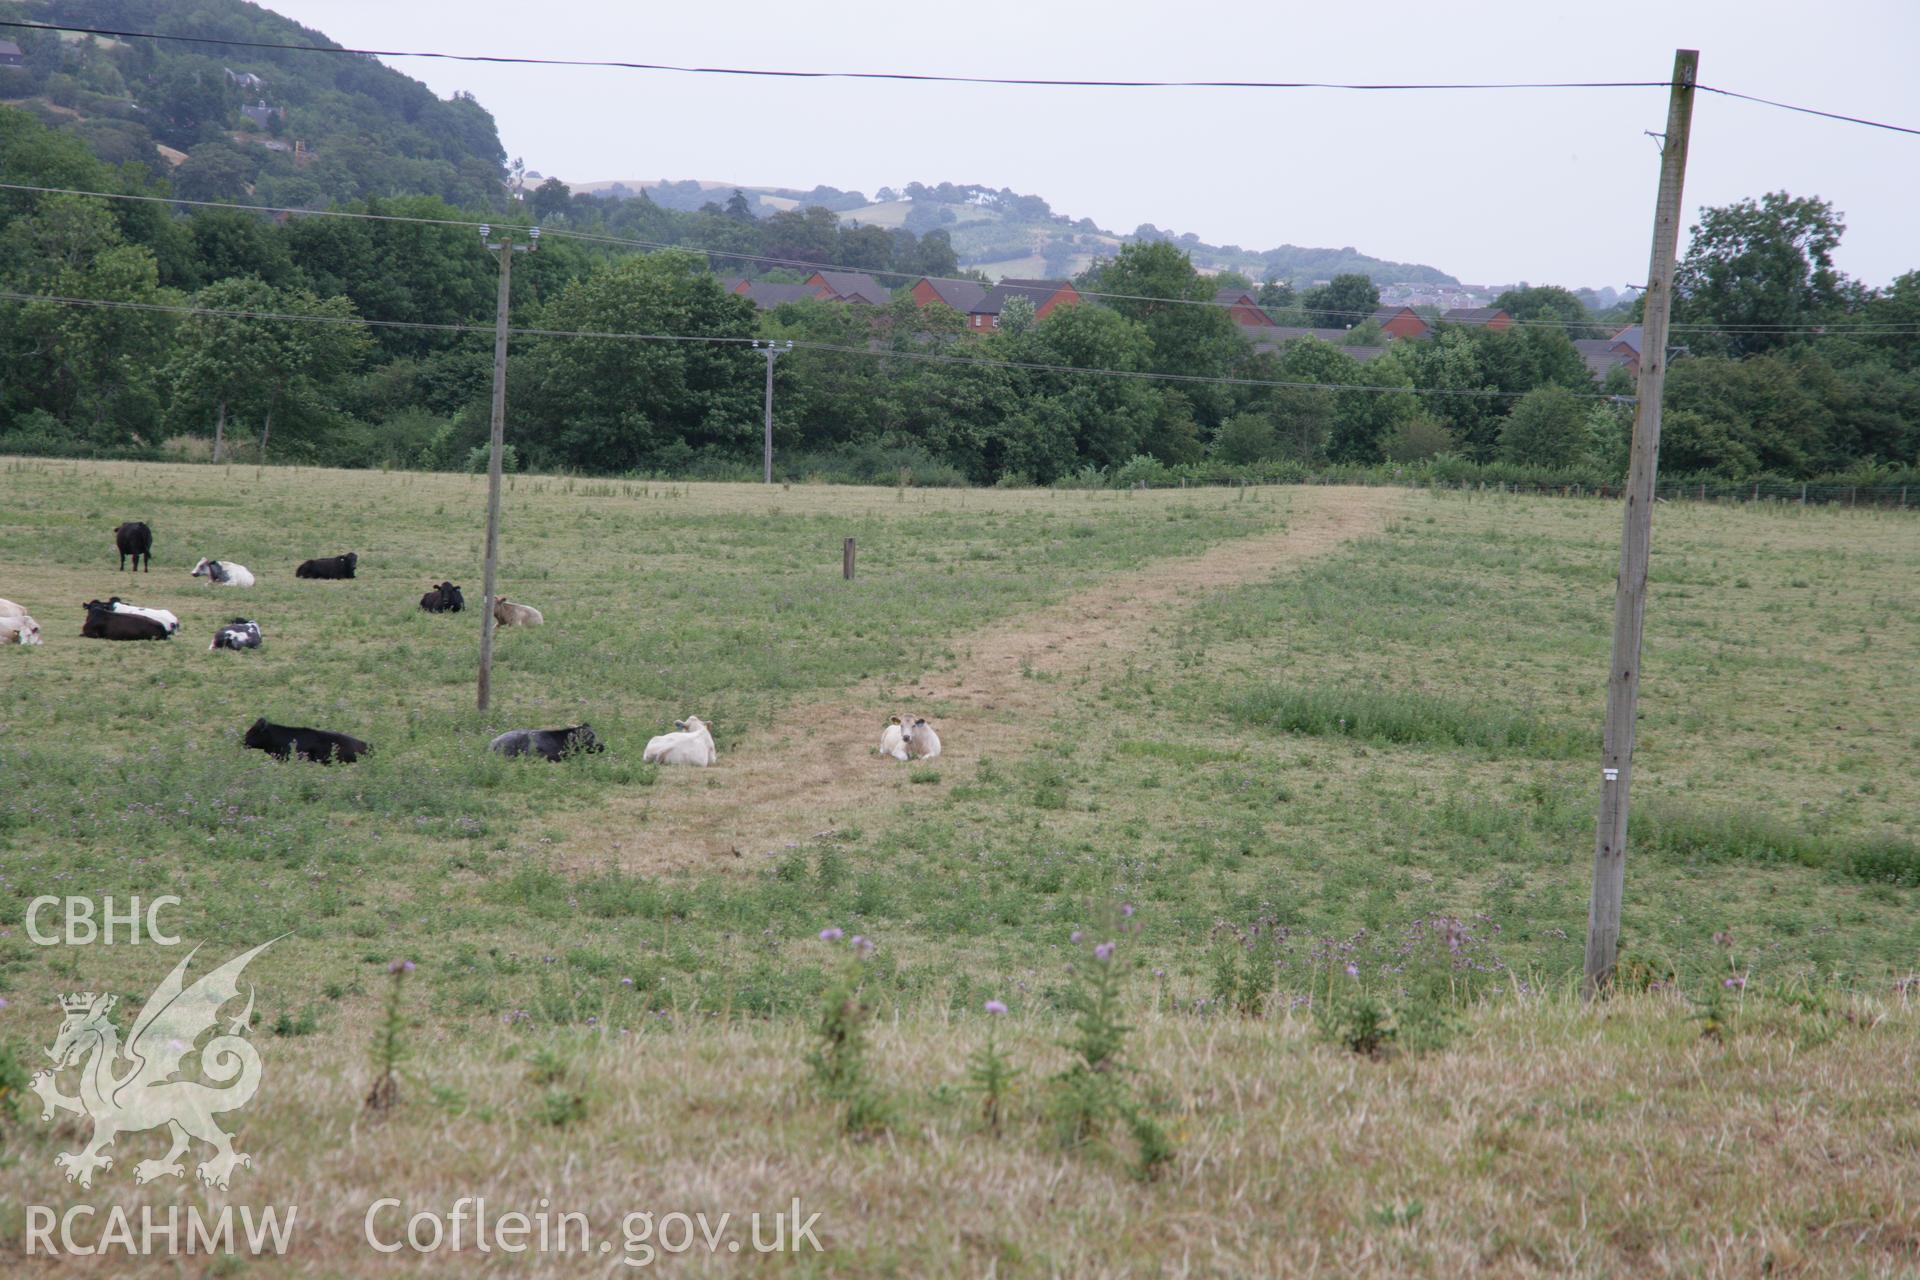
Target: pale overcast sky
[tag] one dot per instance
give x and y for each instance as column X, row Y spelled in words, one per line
column 1548, row 187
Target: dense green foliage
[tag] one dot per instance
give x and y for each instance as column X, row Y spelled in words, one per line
column 367, row 342
column 365, row 129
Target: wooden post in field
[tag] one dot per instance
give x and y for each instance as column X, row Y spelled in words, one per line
column 1630, row 595
column 846, row 560
column 507, row 249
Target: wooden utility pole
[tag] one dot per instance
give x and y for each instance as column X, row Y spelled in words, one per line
column 507, row 248
column 1630, row 596
column 772, row 351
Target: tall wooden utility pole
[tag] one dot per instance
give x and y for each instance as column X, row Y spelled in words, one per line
column 1630, row 597
column 506, row 248
column 772, row 351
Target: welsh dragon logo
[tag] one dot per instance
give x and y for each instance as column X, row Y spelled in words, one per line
column 141, row 1094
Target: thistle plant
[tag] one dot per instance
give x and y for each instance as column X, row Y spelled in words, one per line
column 989, row 1073
column 839, row 1059
column 389, row 1045
column 1095, row 1090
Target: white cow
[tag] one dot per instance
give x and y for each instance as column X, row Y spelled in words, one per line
column 893, row 740
column 691, row 745
column 509, row 613
column 161, row 616
column 224, row 573
column 8, row 609
column 18, row 628
column 922, row 742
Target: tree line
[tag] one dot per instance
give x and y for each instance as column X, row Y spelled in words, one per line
column 348, row 351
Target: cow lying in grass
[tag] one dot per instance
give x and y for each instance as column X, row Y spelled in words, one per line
column 893, row 739
column 445, row 598
column 693, row 745
column 134, row 539
column 162, row 616
column 922, row 742
column 553, row 744
column 223, row 573
column 16, row 625
column 19, row 628
column 328, row 567
column 238, row 634
column 281, row 741
column 509, row 614
column 104, row 622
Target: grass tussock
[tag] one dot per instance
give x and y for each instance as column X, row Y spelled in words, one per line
column 1716, row 836
column 1400, row 718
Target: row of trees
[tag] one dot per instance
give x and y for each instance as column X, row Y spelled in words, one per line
column 362, row 342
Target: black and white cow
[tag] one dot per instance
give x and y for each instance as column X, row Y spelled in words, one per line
column 238, row 634
column 104, row 622
column 554, row 744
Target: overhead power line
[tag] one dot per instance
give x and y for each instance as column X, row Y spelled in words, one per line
column 656, row 245
column 934, row 78
column 933, row 357
column 789, row 74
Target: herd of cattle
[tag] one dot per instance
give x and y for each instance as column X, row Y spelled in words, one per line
column 691, row 742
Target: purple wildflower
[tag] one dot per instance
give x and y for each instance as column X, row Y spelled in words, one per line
column 1127, row 910
column 400, row 966
column 995, row 1007
column 1103, row 952
column 832, row 935
column 863, row 945
column 1077, row 935
column 1736, row 983
column 1353, row 970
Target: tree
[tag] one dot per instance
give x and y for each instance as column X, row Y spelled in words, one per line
column 214, row 171
column 1534, row 304
column 1759, row 263
column 1017, row 315
column 220, row 360
column 614, row 404
column 738, row 207
column 1275, row 295
column 1155, row 285
column 1344, row 301
column 1548, row 428
column 1415, row 439
column 1246, row 438
column 550, row 199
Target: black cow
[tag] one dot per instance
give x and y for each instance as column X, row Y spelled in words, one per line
column 106, row 623
column 328, row 567
column 281, row 741
column 554, row 744
column 238, row 634
column 136, row 540
column 445, row 598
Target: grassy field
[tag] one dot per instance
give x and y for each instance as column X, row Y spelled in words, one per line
column 1298, row 732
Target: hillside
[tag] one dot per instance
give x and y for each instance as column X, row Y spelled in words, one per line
column 219, row 123
column 1005, row 233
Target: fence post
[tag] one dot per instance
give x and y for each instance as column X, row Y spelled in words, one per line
column 846, row 560
column 1803, row 493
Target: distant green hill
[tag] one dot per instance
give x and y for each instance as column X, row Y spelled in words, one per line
column 221, row 123
column 1008, row 234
